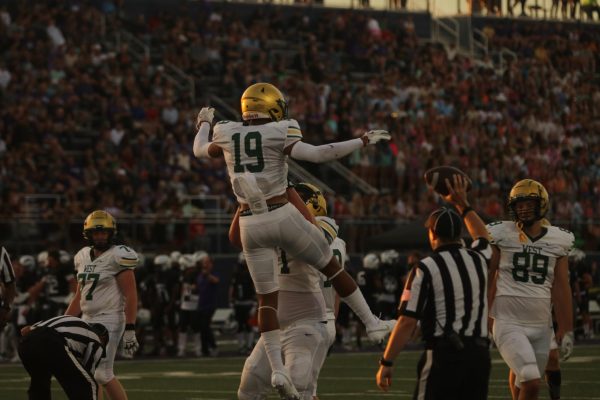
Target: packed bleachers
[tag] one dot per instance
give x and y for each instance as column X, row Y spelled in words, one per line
column 85, row 125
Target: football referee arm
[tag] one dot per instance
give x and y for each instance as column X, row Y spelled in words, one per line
column 458, row 198
column 400, row 336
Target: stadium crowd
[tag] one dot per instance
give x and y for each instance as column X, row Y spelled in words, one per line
column 79, row 117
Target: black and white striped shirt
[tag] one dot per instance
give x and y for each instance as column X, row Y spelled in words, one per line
column 80, row 339
column 448, row 291
column 7, row 273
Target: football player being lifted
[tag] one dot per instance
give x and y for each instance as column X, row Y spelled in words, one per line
column 255, row 152
column 529, row 272
column 106, row 293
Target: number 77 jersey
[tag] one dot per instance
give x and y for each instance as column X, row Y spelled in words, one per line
column 526, row 267
column 97, row 278
column 257, row 149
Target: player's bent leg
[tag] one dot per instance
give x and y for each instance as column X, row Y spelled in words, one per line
column 512, row 385
column 115, row 390
column 304, row 241
column 256, row 375
column 530, row 390
column 304, row 349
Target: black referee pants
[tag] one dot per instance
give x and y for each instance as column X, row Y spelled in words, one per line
column 44, row 353
column 444, row 373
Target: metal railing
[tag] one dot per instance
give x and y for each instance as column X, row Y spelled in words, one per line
column 479, row 44
column 182, row 80
column 304, row 176
column 446, row 31
column 351, row 177
column 502, row 63
column 136, row 47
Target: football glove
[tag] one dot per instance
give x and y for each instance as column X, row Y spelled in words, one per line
column 130, row 344
column 206, row 114
column 566, row 346
column 377, row 135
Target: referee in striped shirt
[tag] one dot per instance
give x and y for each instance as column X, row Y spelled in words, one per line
column 7, row 286
column 67, row 348
column 447, row 292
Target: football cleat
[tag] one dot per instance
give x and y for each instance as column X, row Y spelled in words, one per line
column 381, row 330
column 281, row 381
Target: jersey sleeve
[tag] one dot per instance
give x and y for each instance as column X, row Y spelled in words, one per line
column 496, row 230
column 125, row 257
column 482, row 246
column 567, row 241
column 294, row 134
column 414, row 296
column 77, row 260
column 220, row 135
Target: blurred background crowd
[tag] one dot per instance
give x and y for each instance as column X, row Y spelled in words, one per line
column 85, row 123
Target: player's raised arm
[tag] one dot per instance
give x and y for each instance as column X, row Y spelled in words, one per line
column 332, row 151
column 202, row 146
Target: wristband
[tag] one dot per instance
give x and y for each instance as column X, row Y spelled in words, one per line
column 385, row 363
column 130, row 327
column 466, row 211
column 365, row 140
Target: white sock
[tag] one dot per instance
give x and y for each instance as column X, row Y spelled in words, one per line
column 358, row 304
column 181, row 342
column 272, row 342
column 197, row 343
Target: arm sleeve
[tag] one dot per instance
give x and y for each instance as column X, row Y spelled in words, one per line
column 201, row 142
column 327, row 152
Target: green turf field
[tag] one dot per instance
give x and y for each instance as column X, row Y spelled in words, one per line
column 345, row 376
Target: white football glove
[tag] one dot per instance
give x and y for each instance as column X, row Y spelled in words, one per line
column 206, row 114
column 377, row 135
column 566, row 346
column 130, row 344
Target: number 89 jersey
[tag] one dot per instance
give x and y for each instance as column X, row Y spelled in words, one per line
column 97, row 278
column 526, row 267
column 257, row 149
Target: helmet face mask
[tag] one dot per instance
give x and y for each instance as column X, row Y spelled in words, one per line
column 99, row 221
column 263, row 101
column 313, row 198
column 528, row 202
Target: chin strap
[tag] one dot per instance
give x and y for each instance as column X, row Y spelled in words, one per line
column 522, row 235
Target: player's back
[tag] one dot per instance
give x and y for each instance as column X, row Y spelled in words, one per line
column 97, row 277
column 526, row 270
column 257, row 149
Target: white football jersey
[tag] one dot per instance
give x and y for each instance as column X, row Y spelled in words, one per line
column 189, row 300
column 100, row 292
column 527, row 267
column 257, row 149
column 339, row 251
column 297, row 276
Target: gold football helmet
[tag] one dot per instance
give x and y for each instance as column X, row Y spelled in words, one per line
column 99, row 220
column 528, row 189
column 313, row 198
column 263, row 100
